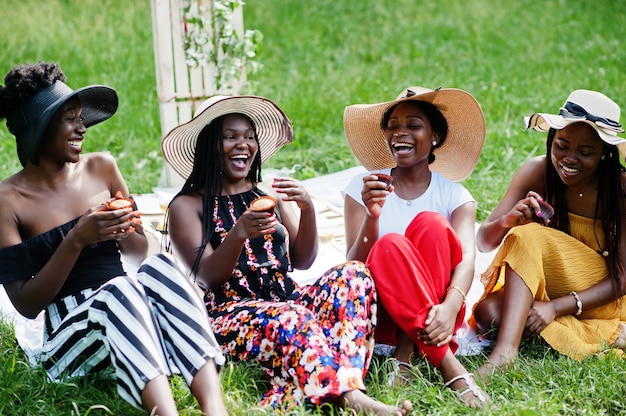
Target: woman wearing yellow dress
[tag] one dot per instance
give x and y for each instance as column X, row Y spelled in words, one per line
column 560, row 273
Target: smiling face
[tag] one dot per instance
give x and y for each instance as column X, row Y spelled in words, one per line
column 576, row 152
column 240, row 147
column 409, row 134
column 63, row 140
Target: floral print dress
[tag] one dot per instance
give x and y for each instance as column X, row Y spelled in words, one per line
column 314, row 343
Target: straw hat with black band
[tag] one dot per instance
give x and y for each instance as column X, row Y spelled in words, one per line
column 455, row 159
column 273, row 128
column 29, row 123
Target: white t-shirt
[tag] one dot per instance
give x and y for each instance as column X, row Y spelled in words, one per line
column 442, row 196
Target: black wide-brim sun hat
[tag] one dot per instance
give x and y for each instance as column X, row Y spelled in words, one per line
column 30, row 122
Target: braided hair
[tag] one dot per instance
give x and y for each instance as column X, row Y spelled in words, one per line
column 609, row 204
column 207, row 177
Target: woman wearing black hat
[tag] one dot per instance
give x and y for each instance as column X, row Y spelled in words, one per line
column 60, row 253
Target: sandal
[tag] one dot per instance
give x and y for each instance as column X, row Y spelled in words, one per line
column 396, row 375
column 472, row 387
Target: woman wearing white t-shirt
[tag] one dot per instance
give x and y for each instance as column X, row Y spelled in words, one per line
column 417, row 234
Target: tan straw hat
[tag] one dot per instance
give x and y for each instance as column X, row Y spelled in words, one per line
column 455, row 159
column 273, row 128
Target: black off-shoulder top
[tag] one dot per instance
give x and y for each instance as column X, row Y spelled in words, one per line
column 96, row 264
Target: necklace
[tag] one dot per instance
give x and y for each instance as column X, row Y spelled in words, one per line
column 589, row 190
column 403, row 191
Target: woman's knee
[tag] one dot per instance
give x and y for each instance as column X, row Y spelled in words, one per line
column 161, row 267
column 391, row 244
column 121, row 284
column 390, row 240
column 358, row 279
column 487, row 312
column 430, row 219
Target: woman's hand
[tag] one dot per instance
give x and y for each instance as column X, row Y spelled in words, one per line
column 99, row 224
column 252, row 224
column 522, row 212
column 540, row 315
column 293, row 190
column 374, row 193
column 302, row 227
column 136, row 224
column 439, row 325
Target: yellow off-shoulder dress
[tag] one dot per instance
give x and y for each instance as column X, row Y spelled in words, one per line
column 553, row 264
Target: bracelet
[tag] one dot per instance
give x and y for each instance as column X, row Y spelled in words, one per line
column 579, row 303
column 458, row 289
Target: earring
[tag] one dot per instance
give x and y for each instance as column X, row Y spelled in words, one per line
column 434, row 142
column 602, row 158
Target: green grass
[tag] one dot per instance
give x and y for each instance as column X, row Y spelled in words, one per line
column 515, row 57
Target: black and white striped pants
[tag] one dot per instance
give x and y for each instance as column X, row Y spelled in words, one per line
column 135, row 327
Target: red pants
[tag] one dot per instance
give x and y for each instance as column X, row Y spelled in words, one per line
column 412, row 273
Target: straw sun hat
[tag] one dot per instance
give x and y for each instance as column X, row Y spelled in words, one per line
column 273, row 128
column 586, row 106
column 29, row 122
column 455, row 159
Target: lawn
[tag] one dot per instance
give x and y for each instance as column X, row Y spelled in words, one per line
column 515, row 57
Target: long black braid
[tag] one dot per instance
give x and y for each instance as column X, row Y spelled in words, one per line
column 609, row 206
column 207, row 179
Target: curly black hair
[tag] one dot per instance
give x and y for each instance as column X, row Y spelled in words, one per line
column 23, row 81
column 21, row 84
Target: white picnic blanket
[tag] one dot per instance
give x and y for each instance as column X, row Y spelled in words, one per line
column 326, row 193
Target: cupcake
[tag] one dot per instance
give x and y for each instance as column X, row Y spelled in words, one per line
column 119, row 202
column 263, row 204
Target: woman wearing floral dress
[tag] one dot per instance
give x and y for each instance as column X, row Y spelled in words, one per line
column 314, row 343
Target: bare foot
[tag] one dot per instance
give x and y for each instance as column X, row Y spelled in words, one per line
column 621, row 340
column 362, row 403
